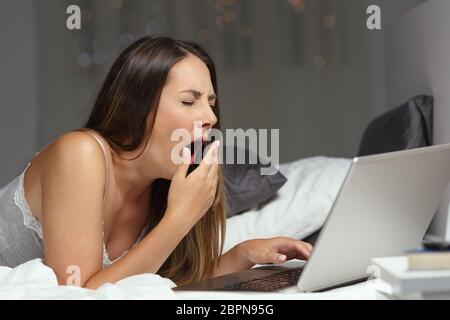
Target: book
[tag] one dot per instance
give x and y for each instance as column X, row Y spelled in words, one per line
column 405, row 282
column 426, row 259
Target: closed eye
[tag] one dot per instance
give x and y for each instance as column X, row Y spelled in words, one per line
column 189, row 103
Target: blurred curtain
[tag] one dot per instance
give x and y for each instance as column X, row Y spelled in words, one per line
column 308, row 67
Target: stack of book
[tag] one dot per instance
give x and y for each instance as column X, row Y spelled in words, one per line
column 423, row 273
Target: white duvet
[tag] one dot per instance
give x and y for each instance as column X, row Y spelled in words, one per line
column 34, row 280
column 300, row 208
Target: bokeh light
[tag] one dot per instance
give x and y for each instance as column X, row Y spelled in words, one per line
column 329, row 21
column 229, row 16
column 298, row 5
column 84, row 59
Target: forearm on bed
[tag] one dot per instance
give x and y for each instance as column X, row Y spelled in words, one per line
column 146, row 257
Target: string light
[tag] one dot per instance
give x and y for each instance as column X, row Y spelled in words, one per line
column 229, row 16
column 298, row 5
column 329, row 21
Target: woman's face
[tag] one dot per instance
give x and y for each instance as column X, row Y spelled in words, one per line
column 187, row 98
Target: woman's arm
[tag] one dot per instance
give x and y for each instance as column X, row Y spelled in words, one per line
column 188, row 200
column 72, row 191
column 261, row 251
column 147, row 256
column 232, row 261
column 72, row 185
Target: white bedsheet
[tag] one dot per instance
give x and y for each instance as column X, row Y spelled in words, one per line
column 34, row 280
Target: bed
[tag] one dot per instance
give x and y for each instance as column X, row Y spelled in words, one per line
column 299, row 209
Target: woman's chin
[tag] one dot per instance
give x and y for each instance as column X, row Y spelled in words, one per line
column 170, row 173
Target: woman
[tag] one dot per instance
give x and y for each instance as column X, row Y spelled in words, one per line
column 106, row 200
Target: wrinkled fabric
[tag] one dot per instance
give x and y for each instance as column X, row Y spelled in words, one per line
column 245, row 187
column 405, row 127
column 34, row 280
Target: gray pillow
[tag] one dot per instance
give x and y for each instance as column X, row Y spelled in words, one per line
column 245, row 187
column 405, row 127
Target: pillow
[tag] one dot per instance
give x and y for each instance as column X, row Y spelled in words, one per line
column 245, row 187
column 300, row 206
column 407, row 126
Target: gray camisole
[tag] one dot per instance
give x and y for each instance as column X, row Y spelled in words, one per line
column 21, row 237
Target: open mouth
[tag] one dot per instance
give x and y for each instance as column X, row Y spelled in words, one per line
column 198, row 148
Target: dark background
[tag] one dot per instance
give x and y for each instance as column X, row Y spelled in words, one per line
column 308, row 67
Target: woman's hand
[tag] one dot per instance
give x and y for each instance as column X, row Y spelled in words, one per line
column 273, row 250
column 191, row 196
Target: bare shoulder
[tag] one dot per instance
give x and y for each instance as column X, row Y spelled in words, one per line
column 73, row 159
column 74, row 156
column 76, row 143
column 77, row 149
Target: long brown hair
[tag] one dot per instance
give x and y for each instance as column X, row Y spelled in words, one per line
column 124, row 114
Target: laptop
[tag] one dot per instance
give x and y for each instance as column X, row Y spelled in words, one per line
column 383, row 208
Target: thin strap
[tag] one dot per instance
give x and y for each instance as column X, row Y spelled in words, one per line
column 106, row 163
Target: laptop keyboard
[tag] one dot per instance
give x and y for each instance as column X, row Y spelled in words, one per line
column 268, row 283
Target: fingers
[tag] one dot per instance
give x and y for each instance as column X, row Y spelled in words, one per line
column 295, row 249
column 308, row 245
column 303, row 251
column 213, row 172
column 211, row 158
column 183, row 167
column 275, row 257
column 213, row 176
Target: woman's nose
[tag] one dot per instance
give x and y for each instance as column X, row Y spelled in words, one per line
column 209, row 118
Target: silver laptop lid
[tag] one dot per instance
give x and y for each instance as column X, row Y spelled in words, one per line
column 383, row 208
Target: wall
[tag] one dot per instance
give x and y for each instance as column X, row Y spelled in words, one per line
column 18, row 87
column 417, row 55
column 267, row 81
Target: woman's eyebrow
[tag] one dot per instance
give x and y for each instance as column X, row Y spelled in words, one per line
column 197, row 94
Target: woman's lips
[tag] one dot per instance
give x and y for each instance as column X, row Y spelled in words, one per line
column 197, row 148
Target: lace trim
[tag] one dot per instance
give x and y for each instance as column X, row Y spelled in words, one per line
column 106, row 259
column 29, row 220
